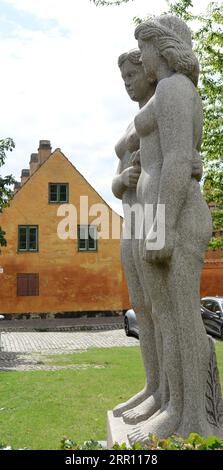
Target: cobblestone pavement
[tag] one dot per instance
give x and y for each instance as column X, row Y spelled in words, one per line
column 25, row 351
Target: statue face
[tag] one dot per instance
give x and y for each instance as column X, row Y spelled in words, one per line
column 150, row 59
column 136, row 83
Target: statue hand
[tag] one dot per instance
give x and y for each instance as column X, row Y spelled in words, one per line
column 135, row 158
column 130, row 176
column 163, row 255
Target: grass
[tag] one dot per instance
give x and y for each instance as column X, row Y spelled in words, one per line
column 38, row 408
column 41, row 407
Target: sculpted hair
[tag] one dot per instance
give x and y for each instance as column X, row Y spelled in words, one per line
column 172, row 37
column 133, row 56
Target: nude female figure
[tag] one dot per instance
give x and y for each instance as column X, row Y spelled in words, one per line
column 124, row 187
column 148, row 401
column 170, row 128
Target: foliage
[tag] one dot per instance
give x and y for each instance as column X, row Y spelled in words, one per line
column 5, row 447
column 110, row 2
column 208, row 43
column 193, row 442
column 123, row 446
column 180, row 8
column 68, row 444
column 5, row 183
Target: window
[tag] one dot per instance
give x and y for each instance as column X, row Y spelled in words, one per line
column 28, row 238
column 27, row 284
column 208, row 305
column 87, row 238
column 216, row 308
column 58, row 193
column 211, row 305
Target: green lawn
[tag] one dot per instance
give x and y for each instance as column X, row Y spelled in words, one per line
column 38, row 408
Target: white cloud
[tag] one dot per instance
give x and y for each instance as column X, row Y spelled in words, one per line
column 60, row 81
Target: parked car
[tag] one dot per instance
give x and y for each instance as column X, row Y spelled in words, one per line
column 212, row 315
column 130, row 324
column 211, row 312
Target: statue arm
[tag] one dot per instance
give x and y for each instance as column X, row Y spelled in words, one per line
column 118, row 187
column 174, row 113
column 174, row 108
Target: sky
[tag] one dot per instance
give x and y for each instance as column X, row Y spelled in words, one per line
column 60, row 81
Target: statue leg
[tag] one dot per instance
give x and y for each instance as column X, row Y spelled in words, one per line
column 195, row 348
column 200, row 382
column 167, row 421
column 154, row 402
column 146, row 327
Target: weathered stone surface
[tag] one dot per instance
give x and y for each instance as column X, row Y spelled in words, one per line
column 116, row 431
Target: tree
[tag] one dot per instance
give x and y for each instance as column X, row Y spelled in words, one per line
column 208, row 42
column 109, row 2
column 6, row 182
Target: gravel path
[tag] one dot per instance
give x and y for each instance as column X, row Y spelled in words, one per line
column 26, row 350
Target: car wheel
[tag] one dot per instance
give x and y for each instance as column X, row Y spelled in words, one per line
column 126, row 324
column 222, row 332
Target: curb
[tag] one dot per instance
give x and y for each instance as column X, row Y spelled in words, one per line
column 112, row 326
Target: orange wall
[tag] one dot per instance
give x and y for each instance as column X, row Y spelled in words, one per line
column 69, row 280
column 212, row 279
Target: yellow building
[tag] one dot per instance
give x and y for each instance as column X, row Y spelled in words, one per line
column 54, row 263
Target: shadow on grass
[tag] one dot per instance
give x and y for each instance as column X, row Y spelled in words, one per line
column 13, row 361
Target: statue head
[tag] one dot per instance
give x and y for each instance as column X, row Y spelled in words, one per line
column 133, row 74
column 170, row 38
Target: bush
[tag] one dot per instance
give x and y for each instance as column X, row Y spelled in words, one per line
column 193, row 442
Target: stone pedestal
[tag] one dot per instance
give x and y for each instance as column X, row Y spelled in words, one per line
column 117, row 430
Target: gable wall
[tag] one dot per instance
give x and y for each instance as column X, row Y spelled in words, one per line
column 69, row 280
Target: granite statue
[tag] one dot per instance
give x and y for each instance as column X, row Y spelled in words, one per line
column 156, row 167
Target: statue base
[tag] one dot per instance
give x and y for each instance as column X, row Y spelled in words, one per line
column 117, row 431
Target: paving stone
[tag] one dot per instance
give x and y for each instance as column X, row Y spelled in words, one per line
column 23, row 350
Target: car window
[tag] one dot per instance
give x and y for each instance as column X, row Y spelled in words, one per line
column 208, row 304
column 216, row 307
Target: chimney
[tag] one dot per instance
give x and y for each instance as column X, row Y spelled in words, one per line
column 44, row 150
column 24, row 176
column 17, row 186
column 34, row 163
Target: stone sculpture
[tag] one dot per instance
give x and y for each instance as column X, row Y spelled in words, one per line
column 182, row 392
column 124, row 187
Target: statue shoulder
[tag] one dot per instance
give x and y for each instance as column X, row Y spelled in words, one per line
column 175, row 92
